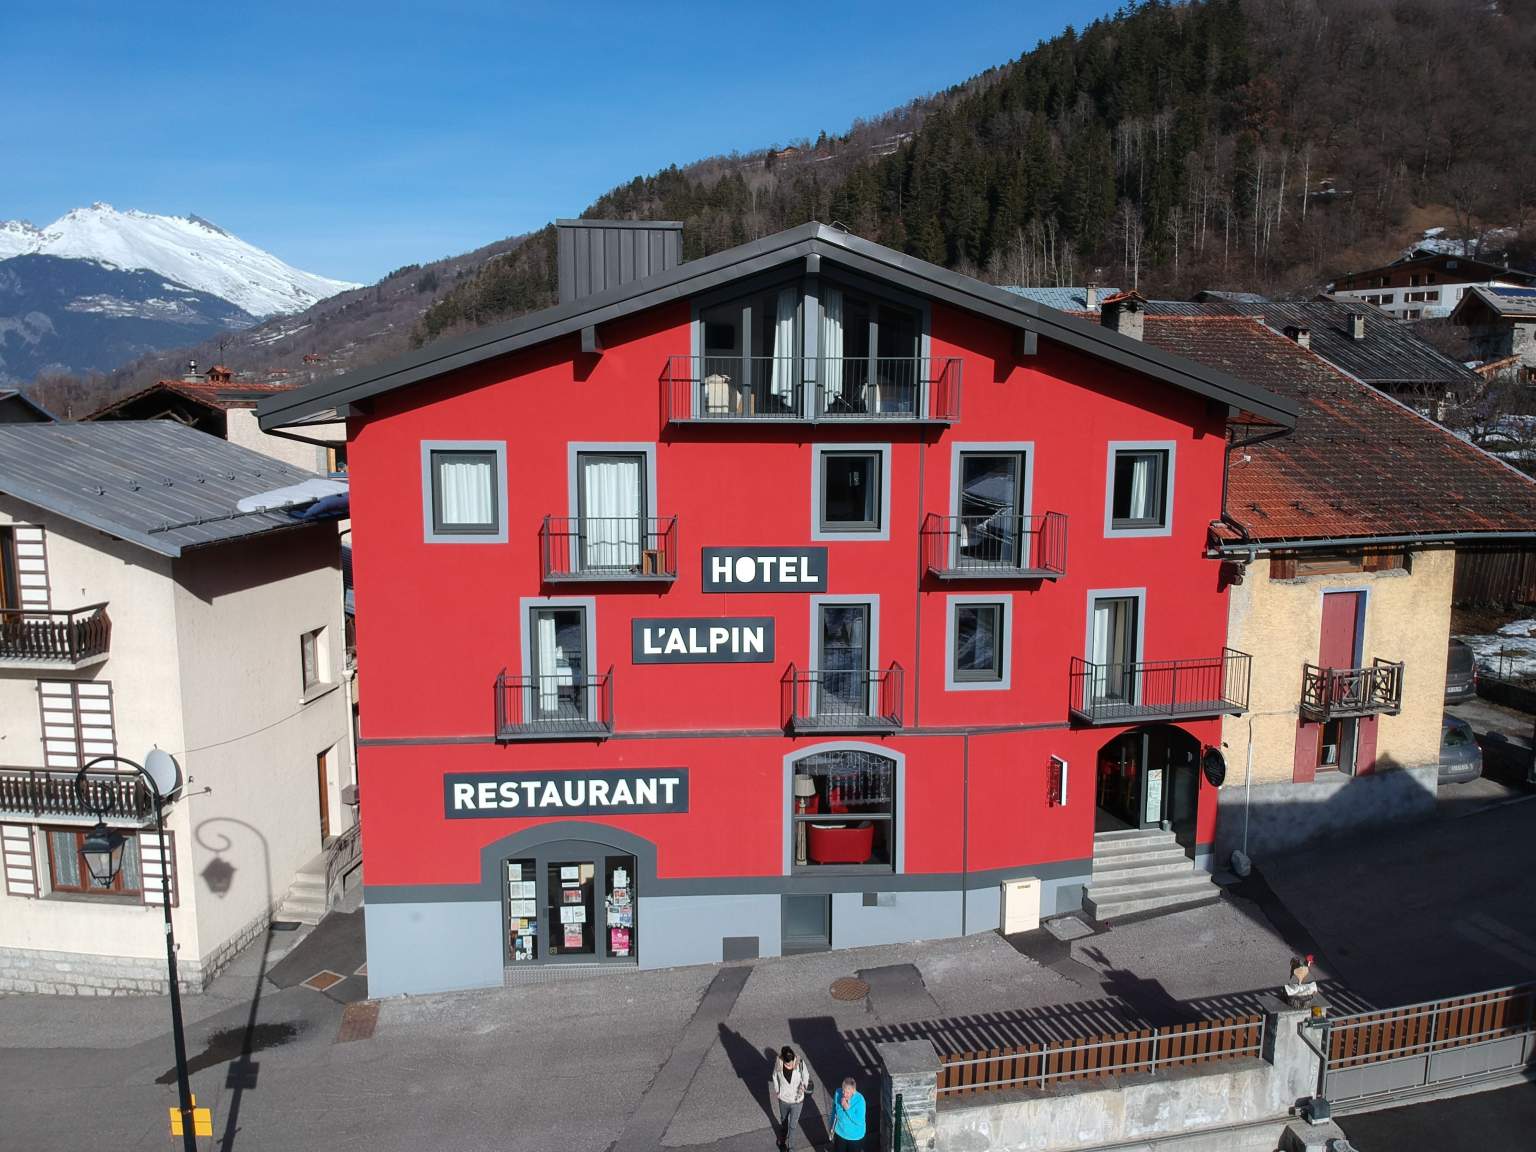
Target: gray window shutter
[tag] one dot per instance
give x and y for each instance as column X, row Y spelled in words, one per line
column 19, row 858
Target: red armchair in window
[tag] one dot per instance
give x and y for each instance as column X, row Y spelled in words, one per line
column 840, row 843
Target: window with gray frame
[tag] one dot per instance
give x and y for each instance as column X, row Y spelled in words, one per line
column 464, row 492
column 312, row 659
column 1140, row 496
column 979, row 640
column 991, row 526
column 850, row 491
column 558, row 662
column 844, row 809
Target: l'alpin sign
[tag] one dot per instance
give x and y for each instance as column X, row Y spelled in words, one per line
column 702, row 640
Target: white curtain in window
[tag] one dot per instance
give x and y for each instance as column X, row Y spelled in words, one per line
column 832, row 340
column 1142, row 477
column 784, row 345
column 550, row 661
column 464, row 491
column 611, row 501
column 1103, row 625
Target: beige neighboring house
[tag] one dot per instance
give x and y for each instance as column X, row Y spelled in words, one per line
column 143, row 608
column 1340, row 541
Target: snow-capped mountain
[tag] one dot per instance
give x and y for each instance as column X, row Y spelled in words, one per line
column 185, row 249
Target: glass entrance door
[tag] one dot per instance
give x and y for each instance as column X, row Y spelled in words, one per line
column 572, row 918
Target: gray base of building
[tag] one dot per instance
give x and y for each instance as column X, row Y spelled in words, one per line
column 416, row 948
column 91, row 974
column 1280, row 817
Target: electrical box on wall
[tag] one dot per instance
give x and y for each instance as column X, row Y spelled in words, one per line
column 1021, row 905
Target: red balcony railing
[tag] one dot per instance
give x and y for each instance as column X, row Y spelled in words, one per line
column 1003, row 546
column 63, row 637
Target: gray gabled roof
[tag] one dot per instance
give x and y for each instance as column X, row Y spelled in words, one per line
column 810, row 243
column 1066, row 299
column 1506, row 303
column 18, row 397
column 155, row 483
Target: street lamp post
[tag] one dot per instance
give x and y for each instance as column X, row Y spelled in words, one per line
column 103, row 852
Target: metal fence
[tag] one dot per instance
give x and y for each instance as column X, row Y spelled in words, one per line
column 858, row 389
column 854, row 699
column 1398, row 1051
column 597, row 548
column 1117, row 1054
column 1149, row 689
column 999, row 546
column 559, row 705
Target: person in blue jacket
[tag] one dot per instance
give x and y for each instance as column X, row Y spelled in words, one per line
column 848, row 1118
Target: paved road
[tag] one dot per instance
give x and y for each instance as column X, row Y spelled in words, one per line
column 1500, row 1121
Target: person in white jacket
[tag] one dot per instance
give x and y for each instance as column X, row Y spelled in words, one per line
column 787, row 1088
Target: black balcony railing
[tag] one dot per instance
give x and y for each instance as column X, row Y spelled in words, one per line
column 852, row 700
column 1335, row 693
column 863, row 389
column 1003, row 546
column 41, row 793
column 55, row 637
column 599, row 548
column 557, row 706
column 1159, row 689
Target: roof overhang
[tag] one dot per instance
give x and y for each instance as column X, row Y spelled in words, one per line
column 810, row 244
column 1244, row 547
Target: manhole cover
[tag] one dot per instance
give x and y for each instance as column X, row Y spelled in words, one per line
column 358, row 1021
column 323, row 979
column 849, row 988
column 1068, row 928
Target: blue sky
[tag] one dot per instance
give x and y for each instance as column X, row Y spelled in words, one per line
column 351, row 138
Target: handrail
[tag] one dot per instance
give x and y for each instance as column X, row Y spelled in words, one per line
column 40, row 792
column 601, row 548
column 53, row 635
column 340, row 855
column 1000, row 545
column 554, row 705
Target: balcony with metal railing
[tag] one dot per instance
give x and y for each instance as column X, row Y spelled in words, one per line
column 49, row 794
column 556, row 706
column 850, row 701
column 600, row 549
column 54, row 640
column 1131, row 693
column 1002, row 546
column 789, row 389
column 1338, row 693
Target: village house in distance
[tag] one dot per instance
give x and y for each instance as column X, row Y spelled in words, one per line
column 141, row 606
column 892, row 722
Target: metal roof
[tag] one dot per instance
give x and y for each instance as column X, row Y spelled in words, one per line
column 17, row 396
column 809, row 244
column 1068, row 299
column 155, row 483
column 1510, row 303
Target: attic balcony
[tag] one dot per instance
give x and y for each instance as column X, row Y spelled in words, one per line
column 1132, row 693
column 54, row 641
column 851, row 701
column 811, row 389
column 558, row 706
column 1000, row 547
column 44, row 795
column 604, row 549
column 1339, row 693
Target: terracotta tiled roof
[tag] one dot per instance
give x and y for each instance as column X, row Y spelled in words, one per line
column 1359, row 463
column 225, row 395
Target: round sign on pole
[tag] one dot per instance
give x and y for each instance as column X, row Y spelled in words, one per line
column 1214, row 765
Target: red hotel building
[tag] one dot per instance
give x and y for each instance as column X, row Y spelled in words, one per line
column 727, row 608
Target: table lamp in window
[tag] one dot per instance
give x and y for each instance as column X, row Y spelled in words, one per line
column 805, row 788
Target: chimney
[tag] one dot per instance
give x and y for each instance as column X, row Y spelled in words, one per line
column 192, row 373
column 1091, row 296
column 597, row 255
column 1124, row 313
column 1302, row 336
column 1357, row 325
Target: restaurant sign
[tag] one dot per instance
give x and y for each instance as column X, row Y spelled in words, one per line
column 703, row 640
column 765, row 569
column 596, row 792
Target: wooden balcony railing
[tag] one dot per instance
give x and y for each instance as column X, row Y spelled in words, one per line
column 558, row 706
column 1003, row 546
column 833, row 700
column 55, row 638
column 1159, row 689
column 1335, row 693
column 780, row 389
column 41, row 793
column 603, row 548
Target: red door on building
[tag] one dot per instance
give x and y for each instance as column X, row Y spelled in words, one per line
column 1345, row 744
column 1340, row 647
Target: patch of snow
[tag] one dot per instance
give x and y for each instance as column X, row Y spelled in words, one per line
column 1508, row 653
column 187, row 249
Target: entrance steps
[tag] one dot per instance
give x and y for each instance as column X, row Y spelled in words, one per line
column 306, row 898
column 1143, row 870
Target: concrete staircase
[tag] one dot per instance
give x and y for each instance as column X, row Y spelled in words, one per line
column 305, row 900
column 1137, row 871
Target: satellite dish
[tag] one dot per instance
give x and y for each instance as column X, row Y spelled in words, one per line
column 161, row 767
column 1214, row 765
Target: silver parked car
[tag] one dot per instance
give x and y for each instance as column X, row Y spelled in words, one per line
column 1460, row 757
column 1460, row 673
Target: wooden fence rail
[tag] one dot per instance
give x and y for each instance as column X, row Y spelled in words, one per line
column 1419, row 1029
column 1113, row 1054
column 1495, row 578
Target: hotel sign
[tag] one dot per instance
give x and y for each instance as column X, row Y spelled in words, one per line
column 765, row 569
column 597, row 792
column 703, row 640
